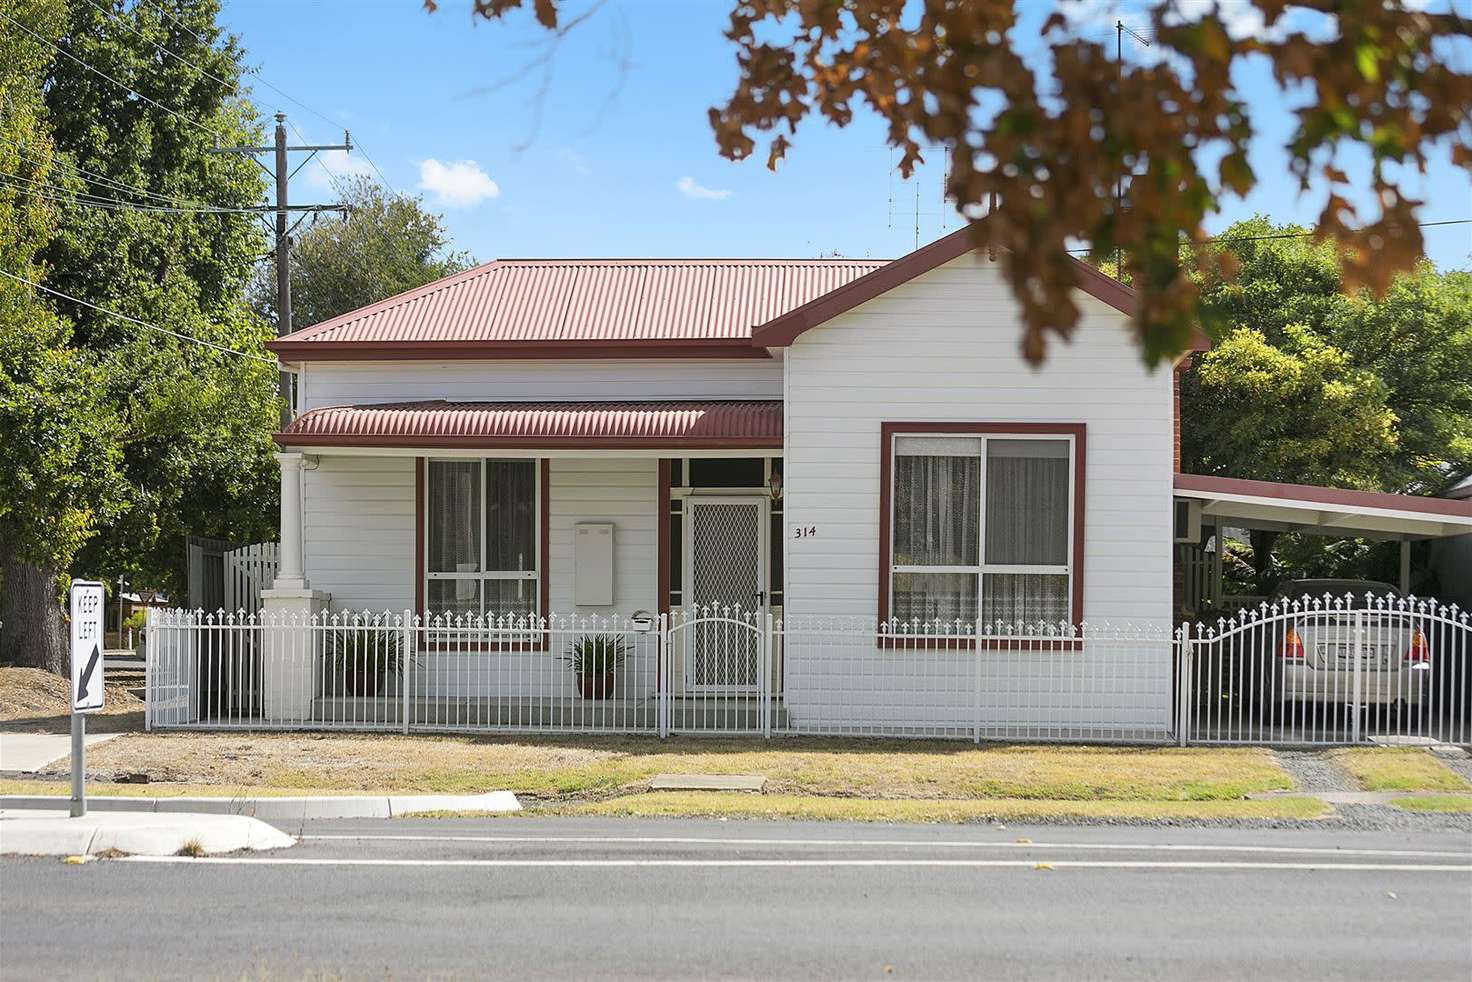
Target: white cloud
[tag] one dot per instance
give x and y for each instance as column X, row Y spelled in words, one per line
column 691, row 188
column 339, row 165
column 457, row 184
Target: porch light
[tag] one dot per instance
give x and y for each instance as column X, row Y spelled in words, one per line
column 774, row 484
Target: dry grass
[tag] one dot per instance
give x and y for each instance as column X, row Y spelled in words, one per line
column 1399, row 769
column 34, row 699
column 725, row 804
column 562, row 768
column 193, row 848
column 1443, row 803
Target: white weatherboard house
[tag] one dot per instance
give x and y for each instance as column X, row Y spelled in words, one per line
column 782, row 495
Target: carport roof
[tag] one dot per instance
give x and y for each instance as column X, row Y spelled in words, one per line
column 1323, row 511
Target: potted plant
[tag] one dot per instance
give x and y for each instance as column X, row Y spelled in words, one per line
column 359, row 658
column 594, row 659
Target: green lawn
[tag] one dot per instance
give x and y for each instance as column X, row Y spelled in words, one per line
column 726, row 804
column 559, row 768
column 1444, row 803
column 1399, row 769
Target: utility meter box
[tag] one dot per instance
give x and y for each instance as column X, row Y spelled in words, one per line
column 592, row 560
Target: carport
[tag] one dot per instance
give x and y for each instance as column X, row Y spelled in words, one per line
column 1224, row 502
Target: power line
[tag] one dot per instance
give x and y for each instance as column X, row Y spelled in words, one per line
column 110, row 184
column 68, row 197
column 179, row 58
column 331, row 177
column 281, row 92
column 100, row 72
column 134, row 320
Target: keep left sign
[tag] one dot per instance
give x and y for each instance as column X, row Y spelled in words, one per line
column 87, row 600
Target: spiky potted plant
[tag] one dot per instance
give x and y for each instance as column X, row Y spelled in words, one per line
column 594, row 658
column 359, row 658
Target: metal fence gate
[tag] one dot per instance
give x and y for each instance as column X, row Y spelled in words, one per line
column 717, row 672
column 1329, row 670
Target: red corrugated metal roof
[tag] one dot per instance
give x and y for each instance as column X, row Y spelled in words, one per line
column 555, row 302
column 536, row 425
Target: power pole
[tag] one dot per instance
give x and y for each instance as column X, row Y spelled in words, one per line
column 279, row 150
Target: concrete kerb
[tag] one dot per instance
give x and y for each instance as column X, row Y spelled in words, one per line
column 47, row 832
column 283, row 809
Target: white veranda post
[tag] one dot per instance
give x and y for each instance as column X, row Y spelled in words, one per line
column 289, row 573
column 287, row 611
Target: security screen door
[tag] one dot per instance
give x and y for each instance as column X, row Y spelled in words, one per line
column 727, row 570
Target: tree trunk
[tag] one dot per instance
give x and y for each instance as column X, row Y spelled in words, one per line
column 1263, row 541
column 34, row 632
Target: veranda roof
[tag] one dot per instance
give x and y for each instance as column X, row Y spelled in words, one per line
column 756, row 424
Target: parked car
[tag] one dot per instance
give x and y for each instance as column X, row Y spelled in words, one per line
column 1313, row 656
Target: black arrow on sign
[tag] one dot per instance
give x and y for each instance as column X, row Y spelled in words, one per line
column 85, row 681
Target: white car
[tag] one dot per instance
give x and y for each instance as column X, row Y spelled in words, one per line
column 1373, row 653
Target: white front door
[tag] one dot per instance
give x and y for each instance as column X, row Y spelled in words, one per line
column 725, row 564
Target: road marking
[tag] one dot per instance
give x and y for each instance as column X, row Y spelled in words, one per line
column 805, row 863
column 902, row 843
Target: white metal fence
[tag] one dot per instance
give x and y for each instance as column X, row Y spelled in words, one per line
column 1389, row 667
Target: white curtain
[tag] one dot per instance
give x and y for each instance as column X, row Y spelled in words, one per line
column 937, row 511
column 937, row 515
column 1027, row 502
column 454, row 516
column 1024, row 600
column 936, row 502
column 511, row 515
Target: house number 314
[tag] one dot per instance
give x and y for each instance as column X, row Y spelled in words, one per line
column 805, row 531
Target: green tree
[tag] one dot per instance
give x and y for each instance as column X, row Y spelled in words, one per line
column 196, row 421
column 59, row 458
column 1298, row 411
column 389, row 244
column 1313, row 384
column 1415, row 341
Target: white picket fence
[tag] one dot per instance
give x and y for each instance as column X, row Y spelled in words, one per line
column 736, row 672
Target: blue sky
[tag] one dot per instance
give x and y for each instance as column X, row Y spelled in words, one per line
column 613, row 157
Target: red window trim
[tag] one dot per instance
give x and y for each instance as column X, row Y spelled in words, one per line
column 889, row 430
column 544, row 536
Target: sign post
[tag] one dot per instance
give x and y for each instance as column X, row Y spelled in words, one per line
column 87, row 601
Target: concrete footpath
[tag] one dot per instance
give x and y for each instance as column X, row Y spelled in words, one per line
column 27, row 753
column 282, row 809
column 37, row 832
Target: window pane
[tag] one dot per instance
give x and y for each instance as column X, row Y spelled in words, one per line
column 1027, row 502
column 454, row 516
column 1022, row 599
column 454, row 597
column 934, row 599
column 677, row 553
column 727, row 472
column 511, row 515
column 937, row 446
column 511, row 598
column 936, row 509
column 774, row 556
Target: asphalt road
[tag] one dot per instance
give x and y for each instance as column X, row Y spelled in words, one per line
column 565, row 898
